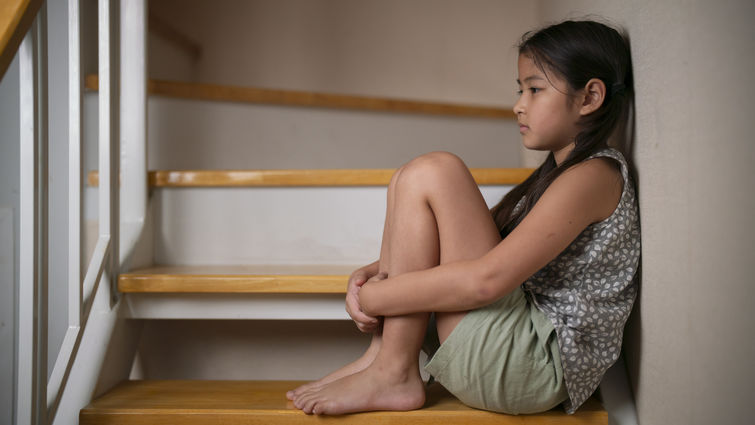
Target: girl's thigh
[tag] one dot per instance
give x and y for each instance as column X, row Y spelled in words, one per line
column 465, row 228
column 503, row 357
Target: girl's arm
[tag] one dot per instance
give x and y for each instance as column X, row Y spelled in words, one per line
column 358, row 278
column 369, row 270
column 586, row 193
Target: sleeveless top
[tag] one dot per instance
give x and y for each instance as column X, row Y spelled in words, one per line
column 588, row 290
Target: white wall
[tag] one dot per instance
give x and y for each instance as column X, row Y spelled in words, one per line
column 690, row 347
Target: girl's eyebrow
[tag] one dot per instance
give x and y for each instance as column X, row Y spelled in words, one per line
column 530, row 78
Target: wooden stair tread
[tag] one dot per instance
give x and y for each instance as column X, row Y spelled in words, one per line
column 305, row 178
column 264, row 402
column 217, row 92
column 262, row 279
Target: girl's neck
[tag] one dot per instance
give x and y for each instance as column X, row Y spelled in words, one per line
column 563, row 153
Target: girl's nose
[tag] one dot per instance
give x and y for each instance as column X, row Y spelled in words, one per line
column 519, row 106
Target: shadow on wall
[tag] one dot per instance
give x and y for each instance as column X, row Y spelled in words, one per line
column 633, row 331
column 633, row 339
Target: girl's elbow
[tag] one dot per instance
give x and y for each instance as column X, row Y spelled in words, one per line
column 486, row 289
column 368, row 309
column 367, row 302
column 484, row 295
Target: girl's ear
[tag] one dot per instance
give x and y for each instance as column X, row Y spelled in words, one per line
column 594, row 94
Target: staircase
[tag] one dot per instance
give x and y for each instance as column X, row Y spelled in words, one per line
column 296, row 235
column 243, row 244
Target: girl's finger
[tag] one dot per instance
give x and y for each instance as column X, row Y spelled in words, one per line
column 366, row 328
column 363, row 318
column 357, row 315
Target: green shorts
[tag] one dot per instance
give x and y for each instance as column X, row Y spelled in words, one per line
column 503, row 357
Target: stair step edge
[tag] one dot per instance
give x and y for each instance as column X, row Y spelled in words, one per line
column 304, row 178
column 262, row 279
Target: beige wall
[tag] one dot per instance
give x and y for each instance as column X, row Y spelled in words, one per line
column 691, row 345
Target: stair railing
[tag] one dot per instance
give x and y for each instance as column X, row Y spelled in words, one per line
column 122, row 156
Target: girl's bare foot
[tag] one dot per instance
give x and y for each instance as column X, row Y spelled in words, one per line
column 374, row 388
column 356, row 366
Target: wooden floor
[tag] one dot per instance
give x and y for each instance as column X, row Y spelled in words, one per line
column 264, row 402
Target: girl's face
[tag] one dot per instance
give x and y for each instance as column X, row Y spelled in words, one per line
column 546, row 112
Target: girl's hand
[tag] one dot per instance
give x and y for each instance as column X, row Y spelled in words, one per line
column 365, row 323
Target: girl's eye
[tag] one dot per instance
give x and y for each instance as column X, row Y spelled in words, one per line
column 533, row 90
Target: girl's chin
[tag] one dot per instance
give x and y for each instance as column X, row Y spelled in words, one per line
column 533, row 146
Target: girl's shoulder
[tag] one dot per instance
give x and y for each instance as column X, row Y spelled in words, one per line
column 598, row 166
column 598, row 180
column 605, row 166
column 612, row 157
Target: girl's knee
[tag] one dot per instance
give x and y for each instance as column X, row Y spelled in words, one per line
column 439, row 159
column 431, row 167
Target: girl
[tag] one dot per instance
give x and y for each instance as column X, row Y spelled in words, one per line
column 530, row 301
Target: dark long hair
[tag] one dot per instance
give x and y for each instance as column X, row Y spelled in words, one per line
column 576, row 51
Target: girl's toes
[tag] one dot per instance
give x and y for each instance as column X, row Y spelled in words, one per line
column 305, row 404
column 316, row 410
column 309, row 407
column 299, row 402
column 322, row 408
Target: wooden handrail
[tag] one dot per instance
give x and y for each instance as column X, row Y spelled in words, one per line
column 305, row 178
column 16, row 17
column 202, row 91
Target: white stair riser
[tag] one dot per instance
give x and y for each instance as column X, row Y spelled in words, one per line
column 236, row 306
column 191, row 134
column 223, row 349
column 271, row 225
column 222, row 226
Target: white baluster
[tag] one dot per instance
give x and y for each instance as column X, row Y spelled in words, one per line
column 133, row 113
column 32, row 309
column 71, row 339
column 109, row 160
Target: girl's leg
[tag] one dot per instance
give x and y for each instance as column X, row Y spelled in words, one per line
column 356, row 366
column 436, row 214
column 369, row 355
column 366, row 358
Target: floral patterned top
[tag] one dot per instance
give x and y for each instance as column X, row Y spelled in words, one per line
column 588, row 290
